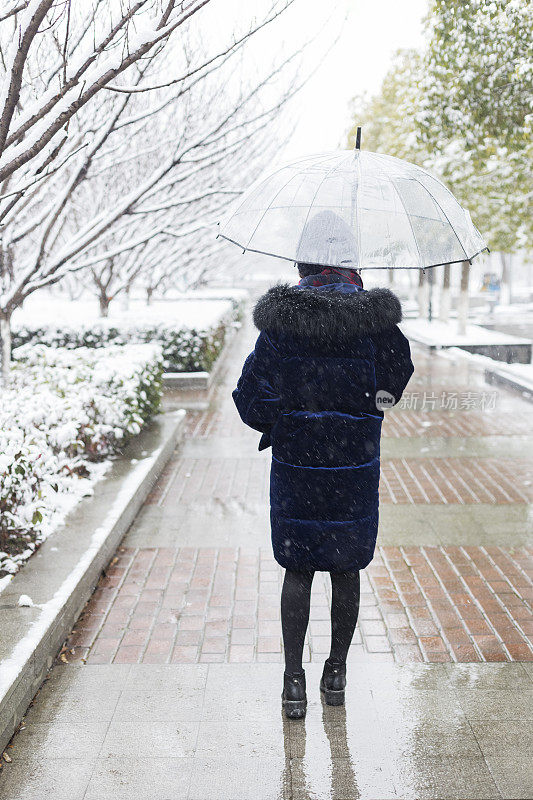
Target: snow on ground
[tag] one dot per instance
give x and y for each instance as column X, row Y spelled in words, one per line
column 191, row 311
column 50, row 609
column 445, row 334
column 519, row 373
column 64, row 415
column 522, row 371
column 209, row 293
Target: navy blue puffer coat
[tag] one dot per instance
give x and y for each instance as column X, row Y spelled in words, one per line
column 310, row 386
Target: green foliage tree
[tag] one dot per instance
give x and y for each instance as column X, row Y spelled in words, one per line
column 461, row 109
column 389, row 117
column 475, row 100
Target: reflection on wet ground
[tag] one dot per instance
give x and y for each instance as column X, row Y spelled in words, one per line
column 198, row 732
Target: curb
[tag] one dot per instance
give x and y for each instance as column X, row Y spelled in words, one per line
column 60, row 587
column 510, row 350
column 510, row 381
column 200, row 381
column 187, row 380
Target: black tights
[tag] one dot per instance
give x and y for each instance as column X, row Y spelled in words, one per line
column 295, row 602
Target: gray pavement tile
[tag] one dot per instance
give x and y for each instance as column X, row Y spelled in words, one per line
column 166, row 677
column 241, row 706
column 356, row 778
column 486, row 676
column 428, row 446
column 237, row 528
column 246, row 735
column 425, row 777
column 432, row 737
column 239, row 778
column 377, row 676
column 137, row 738
column 145, row 707
column 513, row 775
column 330, row 732
column 414, row 707
column 92, row 704
column 502, row 737
column 402, row 515
column 78, row 677
column 497, row 704
column 418, row 535
column 528, row 666
column 246, row 680
column 515, row 512
column 60, row 779
column 132, row 778
column 58, row 740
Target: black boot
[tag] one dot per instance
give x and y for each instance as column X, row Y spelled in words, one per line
column 333, row 682
column 294, row 698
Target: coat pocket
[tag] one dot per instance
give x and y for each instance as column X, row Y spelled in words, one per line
column 326, row 438
column 324, row 493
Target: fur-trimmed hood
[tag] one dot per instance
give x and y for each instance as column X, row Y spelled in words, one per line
column 310, row 313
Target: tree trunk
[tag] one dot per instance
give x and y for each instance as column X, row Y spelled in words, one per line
column 5, row 347
column 444, row 311
column 126, row 299
column 506, row 290
column 149, row 293
column 462, row 311
column 391, row 277
column 423, row 293
column 104, row 301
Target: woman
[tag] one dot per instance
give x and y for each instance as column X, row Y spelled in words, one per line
column 328, row 358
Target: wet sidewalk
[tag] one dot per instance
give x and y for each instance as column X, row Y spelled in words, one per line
column 172, row 690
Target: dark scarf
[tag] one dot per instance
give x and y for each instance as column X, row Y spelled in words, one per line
column 333, row 275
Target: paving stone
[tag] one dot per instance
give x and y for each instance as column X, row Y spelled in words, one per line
column 446, row 778
column 148, row 778
column 62, row 779
column 239, row 778
column 137, row 736
column 62, row 740
column 496, row 704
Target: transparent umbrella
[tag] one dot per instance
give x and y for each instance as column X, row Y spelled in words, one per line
column 354, row 209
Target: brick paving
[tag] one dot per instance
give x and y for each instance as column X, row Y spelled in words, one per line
column 441, row 603
column 460, row 422
column 456, row 480
column 403, row 480
column 418, row 421
column 187, row 605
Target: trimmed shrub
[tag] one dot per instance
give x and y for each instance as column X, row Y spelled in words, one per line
column 184, row 349
column 64, row 413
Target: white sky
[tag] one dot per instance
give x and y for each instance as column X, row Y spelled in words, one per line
column 373, row 31
column 370, row 33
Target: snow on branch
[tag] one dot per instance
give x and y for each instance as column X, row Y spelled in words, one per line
column 109, row 186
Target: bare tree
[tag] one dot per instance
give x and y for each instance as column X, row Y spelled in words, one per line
column 102, row 146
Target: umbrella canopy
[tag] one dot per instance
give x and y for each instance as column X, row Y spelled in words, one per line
column 354, row 209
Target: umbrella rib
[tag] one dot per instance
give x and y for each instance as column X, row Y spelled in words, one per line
column 328, row 173
column 391, row 181
column 269, row 206
column 445, row 214
column 420, row 261
column 260, row 182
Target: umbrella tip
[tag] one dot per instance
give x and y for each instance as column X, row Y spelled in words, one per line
column 358, row 139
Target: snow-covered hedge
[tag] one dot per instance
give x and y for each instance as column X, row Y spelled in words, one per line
column 185, row 349
column 64, row 413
